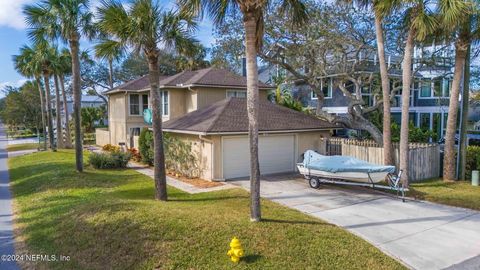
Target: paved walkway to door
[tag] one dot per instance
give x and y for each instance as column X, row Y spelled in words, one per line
column 6, row 215
column 420, row 234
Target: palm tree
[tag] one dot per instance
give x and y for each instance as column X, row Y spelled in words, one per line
column 26, row 65
column 43, row 55
column 110, row 50
column 143, row 26
column 65, row 66
column 385, row 81
column 253, row 23
column 387, row 116
column 455, row 17
column 419, row 22
column 56, row 71
column 67, row 20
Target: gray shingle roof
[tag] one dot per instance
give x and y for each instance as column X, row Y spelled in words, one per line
column 212, row 77
column 230, row 115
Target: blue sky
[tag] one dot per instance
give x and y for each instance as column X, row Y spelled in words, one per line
column 13, row 34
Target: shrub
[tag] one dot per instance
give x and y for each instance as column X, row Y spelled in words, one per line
column 179, row 155
column 145, row 146
column 112, row 160
column 415, row 134
column 135, row 154
column 111, row 148
column 473, row 160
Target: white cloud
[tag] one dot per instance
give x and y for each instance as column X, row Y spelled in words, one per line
column 18, row 83
column 11, row 14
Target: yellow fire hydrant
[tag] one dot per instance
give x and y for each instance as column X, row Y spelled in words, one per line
column 236, row 250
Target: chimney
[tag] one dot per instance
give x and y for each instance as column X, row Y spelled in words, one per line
column 244, row 67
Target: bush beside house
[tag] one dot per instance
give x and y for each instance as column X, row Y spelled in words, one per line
column 179, row 155
column 109, row 160
column 145, row 146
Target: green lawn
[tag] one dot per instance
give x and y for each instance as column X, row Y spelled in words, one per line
column 22, row 146
column 107, row 219
column 460, row 193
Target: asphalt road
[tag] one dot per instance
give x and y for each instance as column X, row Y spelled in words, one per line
column 6, row 216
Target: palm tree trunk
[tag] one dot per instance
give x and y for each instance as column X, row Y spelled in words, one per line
column 42, row 105
column 406, row 85
column 250, row 24
column 465, row 105
column 49, row 111
column 158, row 154
column 110, row 73
column 77, row 101
column 68, row 138
column 461, row 47
column 58, row 117
column 387, row 133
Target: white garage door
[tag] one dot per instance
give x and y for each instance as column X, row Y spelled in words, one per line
column 276, row 154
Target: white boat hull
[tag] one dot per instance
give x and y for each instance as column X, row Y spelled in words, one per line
column 360, row 177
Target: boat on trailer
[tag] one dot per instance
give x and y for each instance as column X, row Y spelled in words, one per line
column 344, row 170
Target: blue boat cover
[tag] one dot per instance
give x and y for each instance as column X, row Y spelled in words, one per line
column 313, row 160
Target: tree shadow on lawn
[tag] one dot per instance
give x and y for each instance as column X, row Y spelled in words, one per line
column 100, row 239
column 147, row 192
column 27, row 180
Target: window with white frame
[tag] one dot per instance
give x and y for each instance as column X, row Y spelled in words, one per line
column 326, row 86
column 434, row 88
column 426, row 88
column 165, row 101
column 134, row 101
column 138, row 103
column 144, row 102
column 237, row 93
column 437, row 87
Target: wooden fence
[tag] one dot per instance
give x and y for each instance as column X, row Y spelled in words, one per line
column 424, row 158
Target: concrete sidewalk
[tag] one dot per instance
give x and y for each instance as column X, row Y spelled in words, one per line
column 421, row 235
column 6, row 215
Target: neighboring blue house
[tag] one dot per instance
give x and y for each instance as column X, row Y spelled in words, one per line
column 429, row 93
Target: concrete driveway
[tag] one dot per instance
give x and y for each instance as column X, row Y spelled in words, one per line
column 421, row 235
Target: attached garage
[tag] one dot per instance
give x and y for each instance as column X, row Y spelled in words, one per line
column 276, row 155
column 219, row 134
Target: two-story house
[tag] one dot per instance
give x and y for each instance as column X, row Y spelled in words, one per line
column 429, row 97
column 180, row 94
column 207, row 108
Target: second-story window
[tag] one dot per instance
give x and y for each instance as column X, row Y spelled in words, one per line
column 426, row 88
column 326, row 86
column 165, row 101
column 448, row 86
column 134, row 104
column 138, row 103
column 144, row 102
column 437, row 87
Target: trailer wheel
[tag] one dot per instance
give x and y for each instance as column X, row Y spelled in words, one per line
column 314, row 183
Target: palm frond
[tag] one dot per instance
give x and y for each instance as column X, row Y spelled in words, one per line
column 296, row 10
column 109, row 49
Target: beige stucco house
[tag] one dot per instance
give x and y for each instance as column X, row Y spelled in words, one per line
column 207, row 108
column 181, row 93
column 218, row 134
